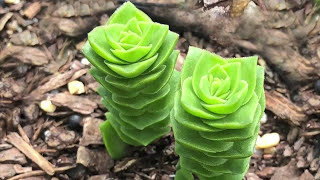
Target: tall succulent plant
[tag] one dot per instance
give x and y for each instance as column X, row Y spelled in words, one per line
column 133, row 59
column 216, row 115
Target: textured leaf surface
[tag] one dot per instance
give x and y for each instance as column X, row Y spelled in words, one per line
column 133, row 59
column 216, row 115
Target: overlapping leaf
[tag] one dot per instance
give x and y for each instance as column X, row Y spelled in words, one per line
column 133, row 60
column 216, row 115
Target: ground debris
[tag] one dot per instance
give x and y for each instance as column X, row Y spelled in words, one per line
column 12, row 155
column 284, row 108
column 80, row 104
column 54, row 81
column 60, row 138
column 91, row 132
column 99, row 177
column 28, row 150
column 77, row 26
column 124, row 164
column 25, row 54
column 25, row 38
column 4, row 20
column 306, row 176
column 6, row 171
column 288, row 172
column 83, row 8
column 97, row 160
column 32, row 10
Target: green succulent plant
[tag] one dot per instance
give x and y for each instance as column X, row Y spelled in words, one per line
column 216, row 115
column 133, row 59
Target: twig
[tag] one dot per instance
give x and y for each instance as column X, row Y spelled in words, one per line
column 32, row 154
column 39, row 173
column 23, row 134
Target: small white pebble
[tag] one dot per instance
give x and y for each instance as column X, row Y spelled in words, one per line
column 85, row 61
column 12, row 1
column 268, row 140
column 76, row 87
column 264, row 118
column 47, row 106
column 47, row 133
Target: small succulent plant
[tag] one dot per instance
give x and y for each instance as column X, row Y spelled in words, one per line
column 133, row 59
column 216, row 115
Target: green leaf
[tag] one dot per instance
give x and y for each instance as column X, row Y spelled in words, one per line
column 235, row 134
column 183, row 175
column 198, row 156
column 207, row 61
column 232, row 104
column 240, row 149
column 132, row 55
column 145, row 120
column 192, row 105
column 187, row 119
column 112, row 34
column 196, row 167
column 158, row 33
column 141, row 137
column 132, row 25
column 97, row 62
column 132, row 70
column 165, row 51
column 248, row 73
column 239, row 119
column 142, row 101
column 99, row 44
column 116, row 147
column 192, row 139
column 126, row 12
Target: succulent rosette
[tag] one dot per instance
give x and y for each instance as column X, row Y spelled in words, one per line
column 216, row 115
column 133, row 59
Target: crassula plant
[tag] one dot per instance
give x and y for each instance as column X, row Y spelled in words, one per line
column 216, row 115
column 133, row 59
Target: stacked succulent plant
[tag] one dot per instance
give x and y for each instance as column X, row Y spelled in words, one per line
column 133, row 59
column 216, row 115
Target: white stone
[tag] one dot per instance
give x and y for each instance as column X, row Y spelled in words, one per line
column 76, row 87
column 85, row 61
column 268, row 140
column 12, row 1
column 47, row 106
column 264, row 118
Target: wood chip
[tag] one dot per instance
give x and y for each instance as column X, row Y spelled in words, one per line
column 28, row 55
column 284, row 108
column 4, row 20
column 55, row 81
column 32, row 10
column 28, row 150
column 81, row 104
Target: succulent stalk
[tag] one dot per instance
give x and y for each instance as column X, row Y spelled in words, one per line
column 133, row 59
column 216, row 115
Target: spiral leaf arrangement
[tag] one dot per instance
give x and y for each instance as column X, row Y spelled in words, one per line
column 133, row 59
column 216, row 115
